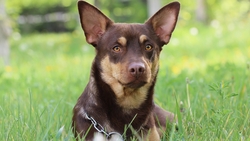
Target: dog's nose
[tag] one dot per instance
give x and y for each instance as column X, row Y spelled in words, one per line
column 136, row 69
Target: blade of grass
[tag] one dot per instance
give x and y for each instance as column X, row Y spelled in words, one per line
column 179, row 119
column 188, row 98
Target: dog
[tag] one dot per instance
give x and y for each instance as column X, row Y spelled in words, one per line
column 117, row 102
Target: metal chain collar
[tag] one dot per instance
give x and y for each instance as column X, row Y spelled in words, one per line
column 100, row 129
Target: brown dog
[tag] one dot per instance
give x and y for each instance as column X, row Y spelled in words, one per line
column 118, row 100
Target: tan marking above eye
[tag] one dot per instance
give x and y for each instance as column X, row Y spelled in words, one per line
column 143, row 38
column 122, row 41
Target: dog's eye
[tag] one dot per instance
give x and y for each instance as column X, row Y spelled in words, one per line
column 148, row 47
column 116, row 49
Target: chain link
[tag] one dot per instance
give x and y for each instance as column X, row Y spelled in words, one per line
column 100, row 129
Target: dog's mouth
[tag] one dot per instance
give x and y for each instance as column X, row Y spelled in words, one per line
column 134, row 84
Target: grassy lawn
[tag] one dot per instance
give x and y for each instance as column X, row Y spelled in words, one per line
column 204, row 71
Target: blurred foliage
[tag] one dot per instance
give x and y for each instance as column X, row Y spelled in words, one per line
column 15, row 8
column 131, row 11
column 124, row 10
column 222, row 11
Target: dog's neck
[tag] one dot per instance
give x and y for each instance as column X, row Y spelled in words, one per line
column 127, row 99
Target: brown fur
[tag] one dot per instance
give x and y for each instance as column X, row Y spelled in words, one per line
column 123, row 74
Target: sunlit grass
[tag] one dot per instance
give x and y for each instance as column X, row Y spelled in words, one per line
column 48, row 73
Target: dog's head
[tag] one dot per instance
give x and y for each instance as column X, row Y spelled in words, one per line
column 128, row 53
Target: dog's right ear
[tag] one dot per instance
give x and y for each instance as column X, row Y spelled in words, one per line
column 164, row 21
column 94, row 23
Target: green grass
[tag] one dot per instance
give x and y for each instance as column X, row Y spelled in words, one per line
column 206, row 75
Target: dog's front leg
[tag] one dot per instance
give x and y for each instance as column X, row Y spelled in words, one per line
column 153, row 134
column 162, row 119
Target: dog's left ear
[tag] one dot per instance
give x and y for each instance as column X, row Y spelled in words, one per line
column 163, row 22
column 94, row 23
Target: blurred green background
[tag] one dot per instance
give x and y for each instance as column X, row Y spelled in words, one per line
column 45, row 65
column 29, row 16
